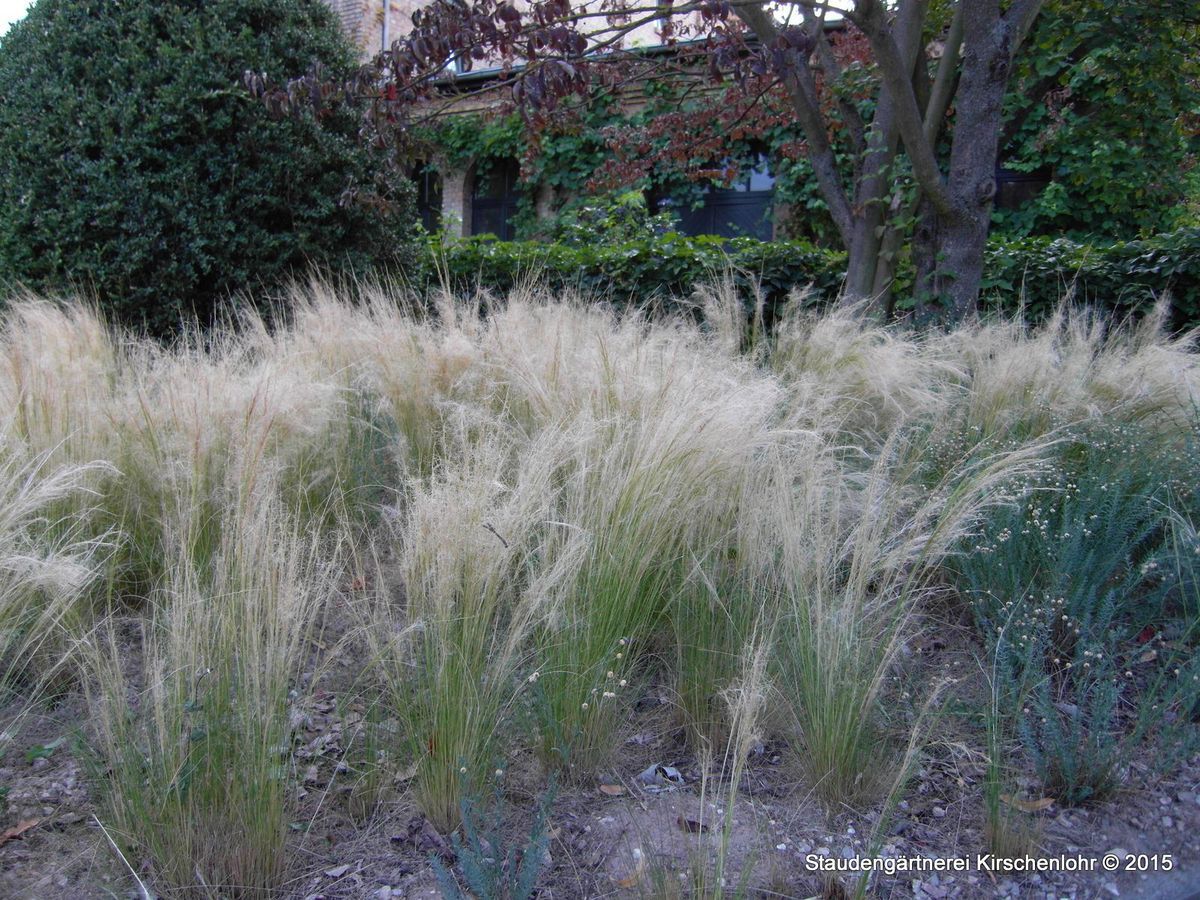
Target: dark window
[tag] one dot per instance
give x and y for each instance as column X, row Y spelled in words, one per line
column 743, row 209
column 1015, row 189
column 429, row 196
column 494, row 202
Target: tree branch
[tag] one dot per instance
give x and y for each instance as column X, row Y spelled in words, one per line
column 802, row 91
column 829, row 64
column 945, row 79
column 1022, row 15
column 871, row 17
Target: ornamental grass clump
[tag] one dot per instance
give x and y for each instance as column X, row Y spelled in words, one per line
column 583, row 522
column 195, row 742
column 859, row 557
column 48, row 568
column 450, row 657
column 1077, row 365
column 641, row 498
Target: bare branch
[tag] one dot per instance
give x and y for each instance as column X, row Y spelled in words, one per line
column 944, row 80
column 871, row 17
column 802, row 91
column 833, row 71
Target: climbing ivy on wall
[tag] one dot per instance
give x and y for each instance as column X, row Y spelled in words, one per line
column 1113, row 122
column 603, row 152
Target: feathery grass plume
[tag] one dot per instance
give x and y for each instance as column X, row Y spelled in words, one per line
column 415, row 370
column 845, row 371
column 649, row 482
column 726, row 598
column 62, row 373
column 196, row 777
column 60, row 370
column 47, row 566
column 205, row 425
column 902, row 771
column 858, row 555
column 467, row 539
column 1076, row 365
column 731, row 326
column 712, row 615
column 746, row 699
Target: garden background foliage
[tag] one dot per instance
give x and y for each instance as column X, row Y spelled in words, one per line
column 1034, row 272
column 133, row 165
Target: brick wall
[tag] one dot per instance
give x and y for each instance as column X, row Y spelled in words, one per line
column 362, row 21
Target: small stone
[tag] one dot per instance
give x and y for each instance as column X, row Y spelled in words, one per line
column 1111, row 887
column 1188, row 797
column 40, row 763
column 939, row 813
column 1168, row 822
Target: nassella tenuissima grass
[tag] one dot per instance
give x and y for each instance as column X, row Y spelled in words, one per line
column 195, row 744
column 577, row 502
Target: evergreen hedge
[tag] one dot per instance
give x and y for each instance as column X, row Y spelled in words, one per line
column 1038, row 272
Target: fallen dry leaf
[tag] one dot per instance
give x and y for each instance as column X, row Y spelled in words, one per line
column 634, row 877
column 17, row 830
column 612, row 790
column 1027, row 805
column 691, row 825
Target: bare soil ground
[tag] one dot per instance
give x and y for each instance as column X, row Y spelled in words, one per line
column 625, row 839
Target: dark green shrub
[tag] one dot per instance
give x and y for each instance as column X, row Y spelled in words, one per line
column 1035, row 272
column 1119, row 277
column 660, row 268
column 133, row 164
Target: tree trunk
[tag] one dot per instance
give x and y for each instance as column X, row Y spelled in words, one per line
column 948, row 255
column 949, row 244
column 875, row 180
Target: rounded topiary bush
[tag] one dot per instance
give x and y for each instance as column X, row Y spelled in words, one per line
column 135, row 167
